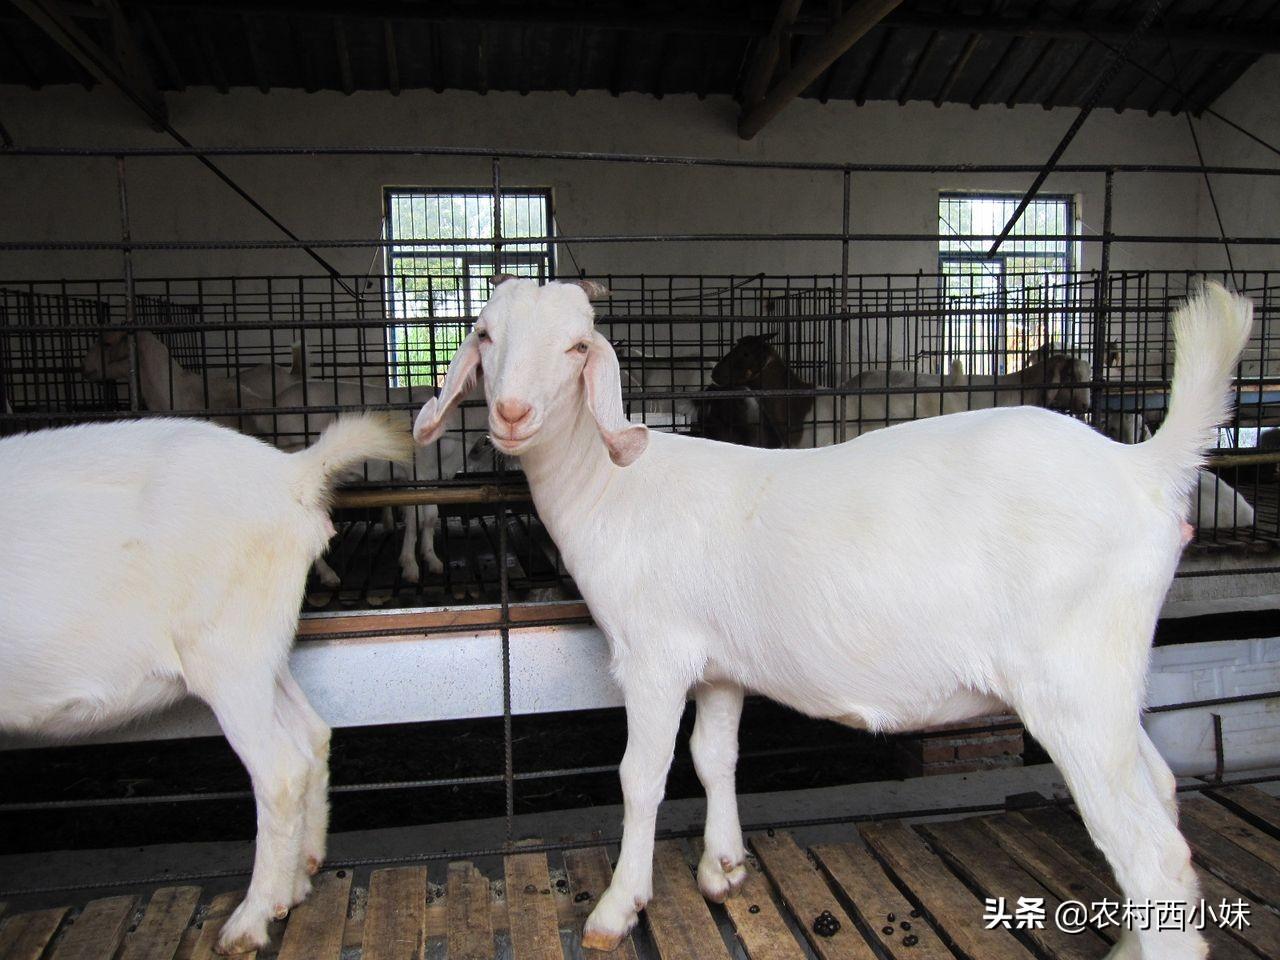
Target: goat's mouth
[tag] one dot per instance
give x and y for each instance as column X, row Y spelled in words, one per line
column 511, row 446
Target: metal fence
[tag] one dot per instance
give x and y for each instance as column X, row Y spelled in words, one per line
column 277, row 355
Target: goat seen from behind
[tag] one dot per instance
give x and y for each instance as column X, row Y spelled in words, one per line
column 145, row 560
column 887, row 583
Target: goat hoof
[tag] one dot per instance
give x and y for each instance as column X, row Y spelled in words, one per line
column 244, row 932
column 410, row 573
column 599, row 940
column 280, row 911
column 240, row 945
column 435, row 566
column 721, row 878
column 609, row 924
column 301, row 888
column 313, row 865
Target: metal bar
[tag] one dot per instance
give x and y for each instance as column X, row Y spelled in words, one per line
column 488, row 153
column 1101, row 312
column 130, row 297
column 192, row 245
column 1219, row 754
column 1214, row 702
column 433, row 856
column 1095, row 94
column 504, row 586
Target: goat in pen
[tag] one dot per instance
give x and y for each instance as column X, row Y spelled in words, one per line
column 887, row 583
column 150, row 559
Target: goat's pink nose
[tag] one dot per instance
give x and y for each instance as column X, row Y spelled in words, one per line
column 513, row 411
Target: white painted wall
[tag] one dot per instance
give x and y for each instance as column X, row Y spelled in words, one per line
column 1249, row 207
column 341, row 197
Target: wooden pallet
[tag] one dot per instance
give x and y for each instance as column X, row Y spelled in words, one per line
column 896, row 890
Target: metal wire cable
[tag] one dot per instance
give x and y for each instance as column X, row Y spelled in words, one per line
column 1095, row 94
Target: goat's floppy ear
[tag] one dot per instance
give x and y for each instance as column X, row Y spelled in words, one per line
column 593, row 289
column 458, row 382
column 603, row 383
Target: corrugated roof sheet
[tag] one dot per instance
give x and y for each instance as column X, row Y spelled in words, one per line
column 1016, row 51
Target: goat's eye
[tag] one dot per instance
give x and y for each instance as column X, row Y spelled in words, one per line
column 583, row 347
column 482, row 336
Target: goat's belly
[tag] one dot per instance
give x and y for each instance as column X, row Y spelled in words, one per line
column 78, row 709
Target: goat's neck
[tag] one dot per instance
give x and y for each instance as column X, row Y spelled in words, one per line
column 786, row 415
column 776, row 373
column 158, row 372
column 568, row 472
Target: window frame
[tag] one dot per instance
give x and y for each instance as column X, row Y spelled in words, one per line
column 999, row 265
column 396, row 249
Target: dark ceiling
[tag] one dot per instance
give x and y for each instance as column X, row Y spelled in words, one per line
column 996, row 51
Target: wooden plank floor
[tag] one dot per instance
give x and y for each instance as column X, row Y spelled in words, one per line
column 890, row 889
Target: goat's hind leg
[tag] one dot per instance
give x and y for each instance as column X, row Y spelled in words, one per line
column 248, row 704
column 311, row 734
column 714, row 744
column 1123, row 798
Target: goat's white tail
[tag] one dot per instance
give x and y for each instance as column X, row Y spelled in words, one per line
column 1210, row 331
column 346, row 443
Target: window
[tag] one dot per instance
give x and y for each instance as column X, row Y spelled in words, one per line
column 999, row 309
column 433, row 290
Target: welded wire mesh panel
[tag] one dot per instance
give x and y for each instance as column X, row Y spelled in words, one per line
column 1003, row 306
column 434, row 289
column 279, row 356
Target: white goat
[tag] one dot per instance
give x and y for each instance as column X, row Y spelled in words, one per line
column 166, row 385
column 442, row 463
column 150, row 559
column 930, row 572
column 1216, row 505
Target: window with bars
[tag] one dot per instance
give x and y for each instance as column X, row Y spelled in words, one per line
column 433, row 290
column 999, row 309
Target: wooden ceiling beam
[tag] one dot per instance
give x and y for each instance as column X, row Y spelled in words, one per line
column 124, row 68
column 345, row 74
column 1259, row 35
column 157, row 41
column 393, row 58
column 816, row 58
column 258, row 60
column 768, row 51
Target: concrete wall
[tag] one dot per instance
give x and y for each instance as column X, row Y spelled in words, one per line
column 341, row 197
column 1249, row 206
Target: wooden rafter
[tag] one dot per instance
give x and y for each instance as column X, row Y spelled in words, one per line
column 956, row 68
column 161, row 48
column 393, row 58
column 123, row 68
column 767, row 53
column 344, row 57
column 873, row 67
column 904, row 90
column 818, row 56
column 253, row 40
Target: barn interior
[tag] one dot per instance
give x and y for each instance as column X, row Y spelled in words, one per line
column 268, row 212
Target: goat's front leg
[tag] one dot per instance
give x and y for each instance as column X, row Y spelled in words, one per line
column 653, row 716
column 714, row 744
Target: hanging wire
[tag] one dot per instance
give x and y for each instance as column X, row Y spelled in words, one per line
column 1176, row 88
column 1195, row 140
column 1099, row 88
